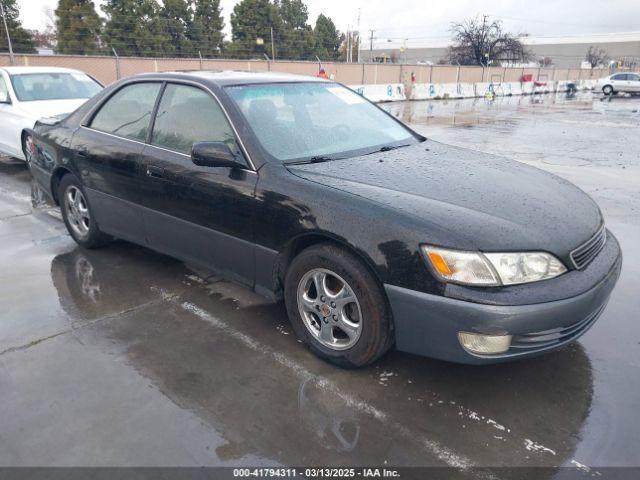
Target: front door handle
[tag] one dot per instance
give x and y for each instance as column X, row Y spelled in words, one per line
column 155, row 172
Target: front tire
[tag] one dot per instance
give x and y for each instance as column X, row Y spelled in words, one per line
column 607, row 90
column 337, row 307
column 77, row 214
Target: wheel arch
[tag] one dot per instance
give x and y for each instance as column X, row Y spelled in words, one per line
column 56, row 178
column 23, row 135
column 306, row 240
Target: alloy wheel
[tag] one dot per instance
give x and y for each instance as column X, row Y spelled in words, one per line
column 329, row 309
column 77, row 211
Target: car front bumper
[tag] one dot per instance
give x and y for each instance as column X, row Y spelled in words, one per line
column 428, row 324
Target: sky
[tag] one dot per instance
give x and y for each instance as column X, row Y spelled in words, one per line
column 425, row 20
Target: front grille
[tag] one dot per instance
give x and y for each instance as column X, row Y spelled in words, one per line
column 556, row 336
column 586, row 252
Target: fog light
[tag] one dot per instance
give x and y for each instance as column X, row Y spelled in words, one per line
column 484, row 344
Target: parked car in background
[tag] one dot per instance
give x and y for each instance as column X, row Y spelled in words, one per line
column 627, row 82
column 302, row 189
column 30, row 93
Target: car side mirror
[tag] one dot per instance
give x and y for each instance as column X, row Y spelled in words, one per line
column 214, row 154
column 4, row 97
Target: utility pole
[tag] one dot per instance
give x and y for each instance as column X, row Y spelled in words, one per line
column 6, row 29
column 358, row 39
column 371, row 45
column 273, row 48
column 348, row 43
column 484, row 36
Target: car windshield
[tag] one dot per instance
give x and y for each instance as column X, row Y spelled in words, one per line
column 316, row 121
column 30, row 87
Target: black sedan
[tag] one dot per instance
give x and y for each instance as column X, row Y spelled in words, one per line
column 301, row 189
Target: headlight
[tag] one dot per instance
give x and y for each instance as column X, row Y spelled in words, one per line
column 525, row 267
column 491, row 269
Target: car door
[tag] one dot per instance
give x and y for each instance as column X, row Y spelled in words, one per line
column 202, row 215
column 634, row 82
column 108, row 149
column 5, row 106
column 12, row 121
column 619, row 82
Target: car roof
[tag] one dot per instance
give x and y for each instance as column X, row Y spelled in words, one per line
column 22, row 70
column 232, row 77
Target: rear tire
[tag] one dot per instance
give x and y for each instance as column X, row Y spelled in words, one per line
column 346, row 321
column 77, row 214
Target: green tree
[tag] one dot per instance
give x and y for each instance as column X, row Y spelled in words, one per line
column 206, row 27
column 251, row 23
column 295, row 38
column 134, row 28
column 176, row 19
column 328, row 39
column 78, row 26
column 21, row 39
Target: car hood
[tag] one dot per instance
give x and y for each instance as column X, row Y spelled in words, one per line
column 50, row 108
column 467, row 199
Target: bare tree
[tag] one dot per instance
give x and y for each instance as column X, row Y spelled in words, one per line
column 46, row 38
column 596, row 56
column 480, row 42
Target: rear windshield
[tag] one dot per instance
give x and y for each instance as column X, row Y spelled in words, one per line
column 30, row 87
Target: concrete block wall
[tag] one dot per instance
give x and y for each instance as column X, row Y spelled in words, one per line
column 431, row 91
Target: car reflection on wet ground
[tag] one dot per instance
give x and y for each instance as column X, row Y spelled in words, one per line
column 121, row 356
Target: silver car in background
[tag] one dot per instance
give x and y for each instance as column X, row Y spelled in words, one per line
column 626, row 82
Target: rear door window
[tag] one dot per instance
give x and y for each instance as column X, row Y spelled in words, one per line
column 128, row 112
column 187, row 115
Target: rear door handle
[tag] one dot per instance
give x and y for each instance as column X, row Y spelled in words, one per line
column 155, row 172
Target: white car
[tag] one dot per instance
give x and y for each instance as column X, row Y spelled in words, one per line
column 28, row 94
column 627, row 82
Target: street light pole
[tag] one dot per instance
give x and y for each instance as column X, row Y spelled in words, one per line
column 6, row 29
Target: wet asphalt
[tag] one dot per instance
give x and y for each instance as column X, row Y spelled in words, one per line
column 121, row 356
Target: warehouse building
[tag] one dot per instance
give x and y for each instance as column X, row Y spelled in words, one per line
column 560, row 51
